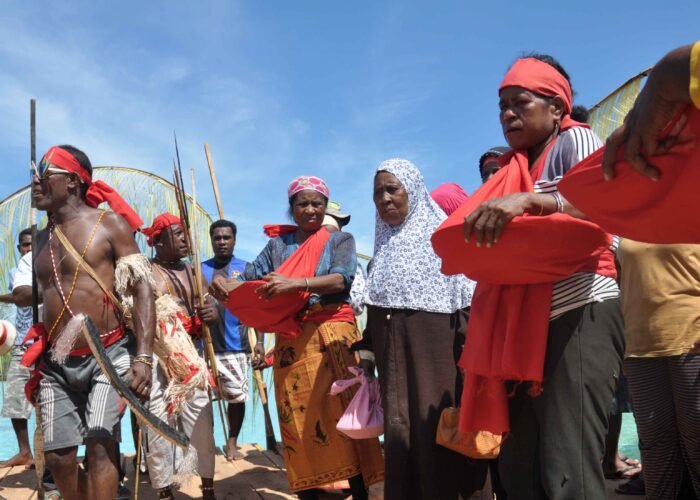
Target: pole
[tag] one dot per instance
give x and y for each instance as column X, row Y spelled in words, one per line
column 39, row 461
column 257, row 374
column 215, row 185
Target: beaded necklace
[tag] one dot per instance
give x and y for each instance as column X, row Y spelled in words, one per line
column 66, row 301
column 166, row 279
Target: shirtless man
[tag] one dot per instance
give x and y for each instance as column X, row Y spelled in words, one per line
column 78, row 404
column 186, row 405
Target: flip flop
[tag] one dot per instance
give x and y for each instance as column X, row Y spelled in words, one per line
column 634, row 486
column 622, row 473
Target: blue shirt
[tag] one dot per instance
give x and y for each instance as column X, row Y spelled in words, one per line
column 227, row 333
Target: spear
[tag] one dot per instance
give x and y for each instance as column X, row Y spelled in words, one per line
column 270, row 438
column 193, row 253
column 39, row 462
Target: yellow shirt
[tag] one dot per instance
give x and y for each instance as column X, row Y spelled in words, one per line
column 660, row 295
column 695, row 74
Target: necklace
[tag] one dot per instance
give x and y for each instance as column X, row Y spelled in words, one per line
column 166, row 279
column 66, row 301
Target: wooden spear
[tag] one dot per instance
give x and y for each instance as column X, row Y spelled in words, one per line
column 196, row 268
column 271, row 440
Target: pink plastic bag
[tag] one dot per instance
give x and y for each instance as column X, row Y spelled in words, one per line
column 364, row 416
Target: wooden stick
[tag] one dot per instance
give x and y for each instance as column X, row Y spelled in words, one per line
column 214, row 184
column 137, row 479
column 40, row 463
column 206, row 334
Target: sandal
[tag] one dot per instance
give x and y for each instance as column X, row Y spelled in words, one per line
column 623, row 473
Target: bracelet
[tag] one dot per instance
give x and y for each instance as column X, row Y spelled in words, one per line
column 308, row 285
column 145, row 361
column 260, row 342
column 559, row 200
column 143, row 355
column 541, row 206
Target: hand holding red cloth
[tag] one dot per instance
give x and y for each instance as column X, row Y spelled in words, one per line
column 635, row 207
column 507, row 333
column 279, row 314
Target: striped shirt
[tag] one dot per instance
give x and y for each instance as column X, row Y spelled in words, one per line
column 582, row 288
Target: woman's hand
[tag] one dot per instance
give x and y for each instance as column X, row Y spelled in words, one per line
column 276, row 284
column 367, row 366
column 258, row 361
column 490, row 218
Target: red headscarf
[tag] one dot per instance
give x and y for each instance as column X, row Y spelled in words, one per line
column 449, row 196
column 507, row 335
column 98, row 191
column 160, row 224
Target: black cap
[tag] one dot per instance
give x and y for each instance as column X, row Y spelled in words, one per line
column 494, row 152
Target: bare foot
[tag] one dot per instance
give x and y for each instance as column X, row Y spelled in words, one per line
column 232, row 452
column 19, row 459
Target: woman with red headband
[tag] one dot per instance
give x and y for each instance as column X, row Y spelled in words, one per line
column 299, row 288
column 557, row 424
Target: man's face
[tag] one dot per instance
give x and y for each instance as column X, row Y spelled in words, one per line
column 172, row 244
column 25, row 244
column 223, row 242
column 53, row 189
column 489, row 168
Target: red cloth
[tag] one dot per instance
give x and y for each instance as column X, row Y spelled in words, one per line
column 191, row 324
column 507, row 336
column 637, row 208
column 274, row 230
column 160, row 224
column 279, row 314
column 539, row 77
column 40, row 336
column 449, row 196
column 97, row 191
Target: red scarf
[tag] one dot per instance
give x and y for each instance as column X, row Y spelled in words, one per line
column 632, row 206
column 160, row 224
column 280, row 314
column 98, row 191
column 507, row 336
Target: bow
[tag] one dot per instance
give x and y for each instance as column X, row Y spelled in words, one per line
column 92, row 336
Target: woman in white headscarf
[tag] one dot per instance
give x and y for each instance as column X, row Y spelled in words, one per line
column 415, row 330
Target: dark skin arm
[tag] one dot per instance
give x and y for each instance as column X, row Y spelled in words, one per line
column 487, row 222
column 278, row 284
column 144, row 318
column 22, row 296
column 6, row 298
column 666, row 92
column 207, row 312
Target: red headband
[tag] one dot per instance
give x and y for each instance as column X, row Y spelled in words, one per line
column 160, row 224
column 539, row 77
column 98, row 191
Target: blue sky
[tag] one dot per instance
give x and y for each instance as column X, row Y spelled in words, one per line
column 281, row 88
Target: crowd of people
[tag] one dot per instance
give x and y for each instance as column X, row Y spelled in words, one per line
column 533, row 349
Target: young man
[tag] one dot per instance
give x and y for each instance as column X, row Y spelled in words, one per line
column 229, row 335
column 15, row 405
column 78, row 405
column 180, row 376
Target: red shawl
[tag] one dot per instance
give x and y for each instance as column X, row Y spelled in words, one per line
column 632, row 206
column 507, row 336
column 279, row 314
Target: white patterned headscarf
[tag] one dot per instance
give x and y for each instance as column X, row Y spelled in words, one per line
column 405, row 272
